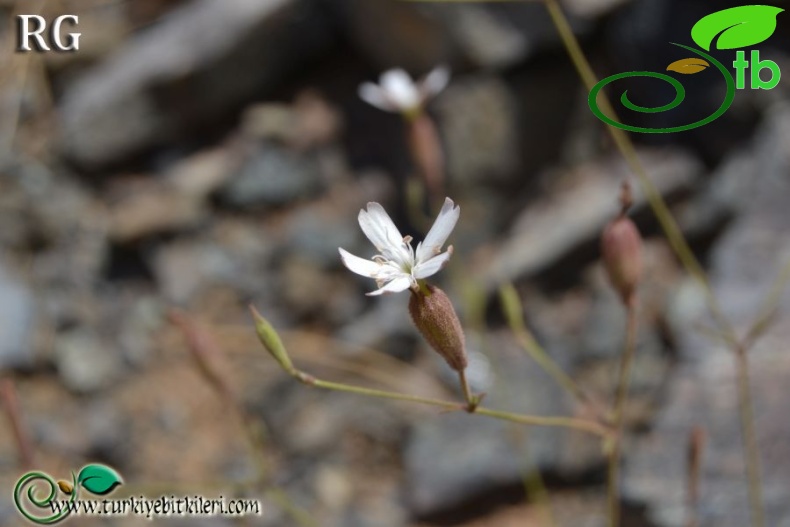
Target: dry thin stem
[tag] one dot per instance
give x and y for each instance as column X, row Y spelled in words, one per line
column 582, row 425
column 668, row 224
column 681, row 248
column 750, row 452
column 10, row 401
column 695, row 449
column 621, row 398
column 208, row 356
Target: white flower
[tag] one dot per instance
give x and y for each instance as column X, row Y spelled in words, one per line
column 397, row 92
column 398, row 266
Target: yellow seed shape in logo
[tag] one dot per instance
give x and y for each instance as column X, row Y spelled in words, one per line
column 65, row 486
column 688, row 66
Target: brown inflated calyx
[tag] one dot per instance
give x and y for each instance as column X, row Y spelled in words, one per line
column 435, row 318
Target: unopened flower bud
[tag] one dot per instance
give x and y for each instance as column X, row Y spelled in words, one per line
column 434, row 316
column 271, row 341
column 621, row 246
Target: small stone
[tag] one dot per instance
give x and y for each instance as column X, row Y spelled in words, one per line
column 85, row 363
column 273, row 176
column 575, row 209
column 479, row 125
column 151, row 208
column 17, row 323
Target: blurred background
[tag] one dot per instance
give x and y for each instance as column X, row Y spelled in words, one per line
column 204, row 155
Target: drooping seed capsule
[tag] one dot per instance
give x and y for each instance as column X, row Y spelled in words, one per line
column 621, row 246
column 434, row 316
column 65, row 486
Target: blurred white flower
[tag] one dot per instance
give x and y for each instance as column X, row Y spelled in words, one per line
column 398, row 266
column 397, row 92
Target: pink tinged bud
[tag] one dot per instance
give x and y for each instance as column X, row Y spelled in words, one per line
column 426, row 150
column 621, row 246
column 434, row 316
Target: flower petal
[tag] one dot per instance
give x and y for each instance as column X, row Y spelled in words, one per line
column 385, row 236
column 359, row 265
column 434, row 82
column 440, row 231
column 401, row 283
column 400, row 89
column 379, row 227
column 432, row 266
column 375, row 96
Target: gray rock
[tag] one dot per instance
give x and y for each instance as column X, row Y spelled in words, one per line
column 419, row 36
column 486, row 37
column 150, row 207
column 231, row 254
column 138, row 322
column 316, row 232
column 744, row 265
column 17, row 323
column 273, row 176
column 575, row 209
column 453, row 458
column 592, row 8
column 85, row 363
column 394, row 34
column 188, row 70
column 183, row 269
column 478, row 123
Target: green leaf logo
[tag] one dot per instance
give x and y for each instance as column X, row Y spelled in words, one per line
column 737, row 27
column 98, row 479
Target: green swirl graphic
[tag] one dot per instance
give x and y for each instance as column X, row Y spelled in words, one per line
column 41, row 503
column 680, row 95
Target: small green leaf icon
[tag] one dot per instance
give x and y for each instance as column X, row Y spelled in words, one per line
column 688, row 66
column 737, row 27
column 98, row 479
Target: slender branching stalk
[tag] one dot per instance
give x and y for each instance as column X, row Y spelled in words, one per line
column 751, row 452
column 618, row 414
column 514, row 312
column 207, row 356
column 10, row 402
column 696, row 447
column 623, row 142
column 581, row 425
column 686, row 256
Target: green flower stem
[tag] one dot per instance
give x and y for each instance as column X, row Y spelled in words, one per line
column 382, row 394
column 621, row 398
column 472, row 400
column 511, row 305
column 582, row 425
column 750, row 451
